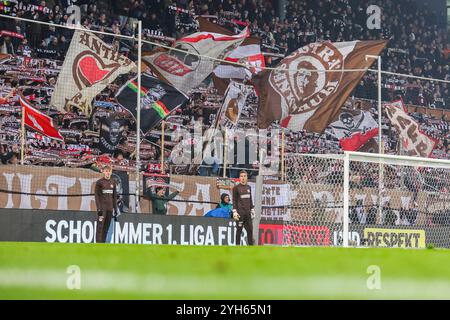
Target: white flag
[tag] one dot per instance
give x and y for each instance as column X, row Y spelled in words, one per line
column 249, row 55
column 414, row 142
column 186, row 70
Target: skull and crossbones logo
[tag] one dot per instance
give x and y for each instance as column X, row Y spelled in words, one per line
column 349, row 125
column 347, row 120
column 114, row 132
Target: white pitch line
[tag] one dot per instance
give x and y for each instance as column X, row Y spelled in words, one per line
column 217, row 286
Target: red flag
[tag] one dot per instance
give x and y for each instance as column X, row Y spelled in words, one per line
column 38, row 121
column 357, row 140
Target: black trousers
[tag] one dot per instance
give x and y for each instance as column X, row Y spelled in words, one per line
column 245, row 221
column 103, row 226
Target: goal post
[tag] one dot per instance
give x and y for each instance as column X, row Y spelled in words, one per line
column 344, row 200
column 413, row 200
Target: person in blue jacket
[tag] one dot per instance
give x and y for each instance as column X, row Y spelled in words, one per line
column 223, row 209
column 225, row 202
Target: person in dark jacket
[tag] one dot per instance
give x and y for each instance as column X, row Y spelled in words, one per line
column 106, row 202
column 372, row 215
column 243, row 208
column 159, row 200
column 389, row 215
column 6, row 156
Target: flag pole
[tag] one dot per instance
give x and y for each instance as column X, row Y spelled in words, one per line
column 380, row 149
column 282, row 154
column 381, row 145
column 225, row 152
column 138, row 114
column 22, row 138
column 380, row 139
column 163, row 124
column 380, row 130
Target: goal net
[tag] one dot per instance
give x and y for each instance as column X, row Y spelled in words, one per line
column 361, row 199
column 314, row 215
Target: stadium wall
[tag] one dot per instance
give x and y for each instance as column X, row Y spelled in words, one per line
column 79, row 227
column 36, row 187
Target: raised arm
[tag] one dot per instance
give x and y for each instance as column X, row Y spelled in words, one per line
column 172, row 195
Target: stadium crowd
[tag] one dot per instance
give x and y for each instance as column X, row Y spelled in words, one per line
column 417, row 46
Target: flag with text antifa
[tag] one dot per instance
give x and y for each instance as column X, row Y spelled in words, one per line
column 158, row 99
column 89, row 66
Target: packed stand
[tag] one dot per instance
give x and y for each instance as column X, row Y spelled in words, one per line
column 36, row 53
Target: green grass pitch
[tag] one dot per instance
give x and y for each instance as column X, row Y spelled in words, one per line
column 41, row 271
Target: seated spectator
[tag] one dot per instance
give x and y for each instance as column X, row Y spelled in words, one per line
column 223, row 209
column 225, row 202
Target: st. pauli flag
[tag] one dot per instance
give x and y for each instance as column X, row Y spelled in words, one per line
column 414, row 142
column 231, row 109
column 248, row 54
column 158, row 99
column 111, row 134
column 188, row 63
column 354, row 128
column 89, row 66
column 304, row 97
column 38, row 121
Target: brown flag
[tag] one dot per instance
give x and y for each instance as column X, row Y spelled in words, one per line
column 309, row 99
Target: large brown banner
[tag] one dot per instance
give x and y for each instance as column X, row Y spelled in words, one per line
column 301, row 96
column 34, row 187
column 20, row 184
